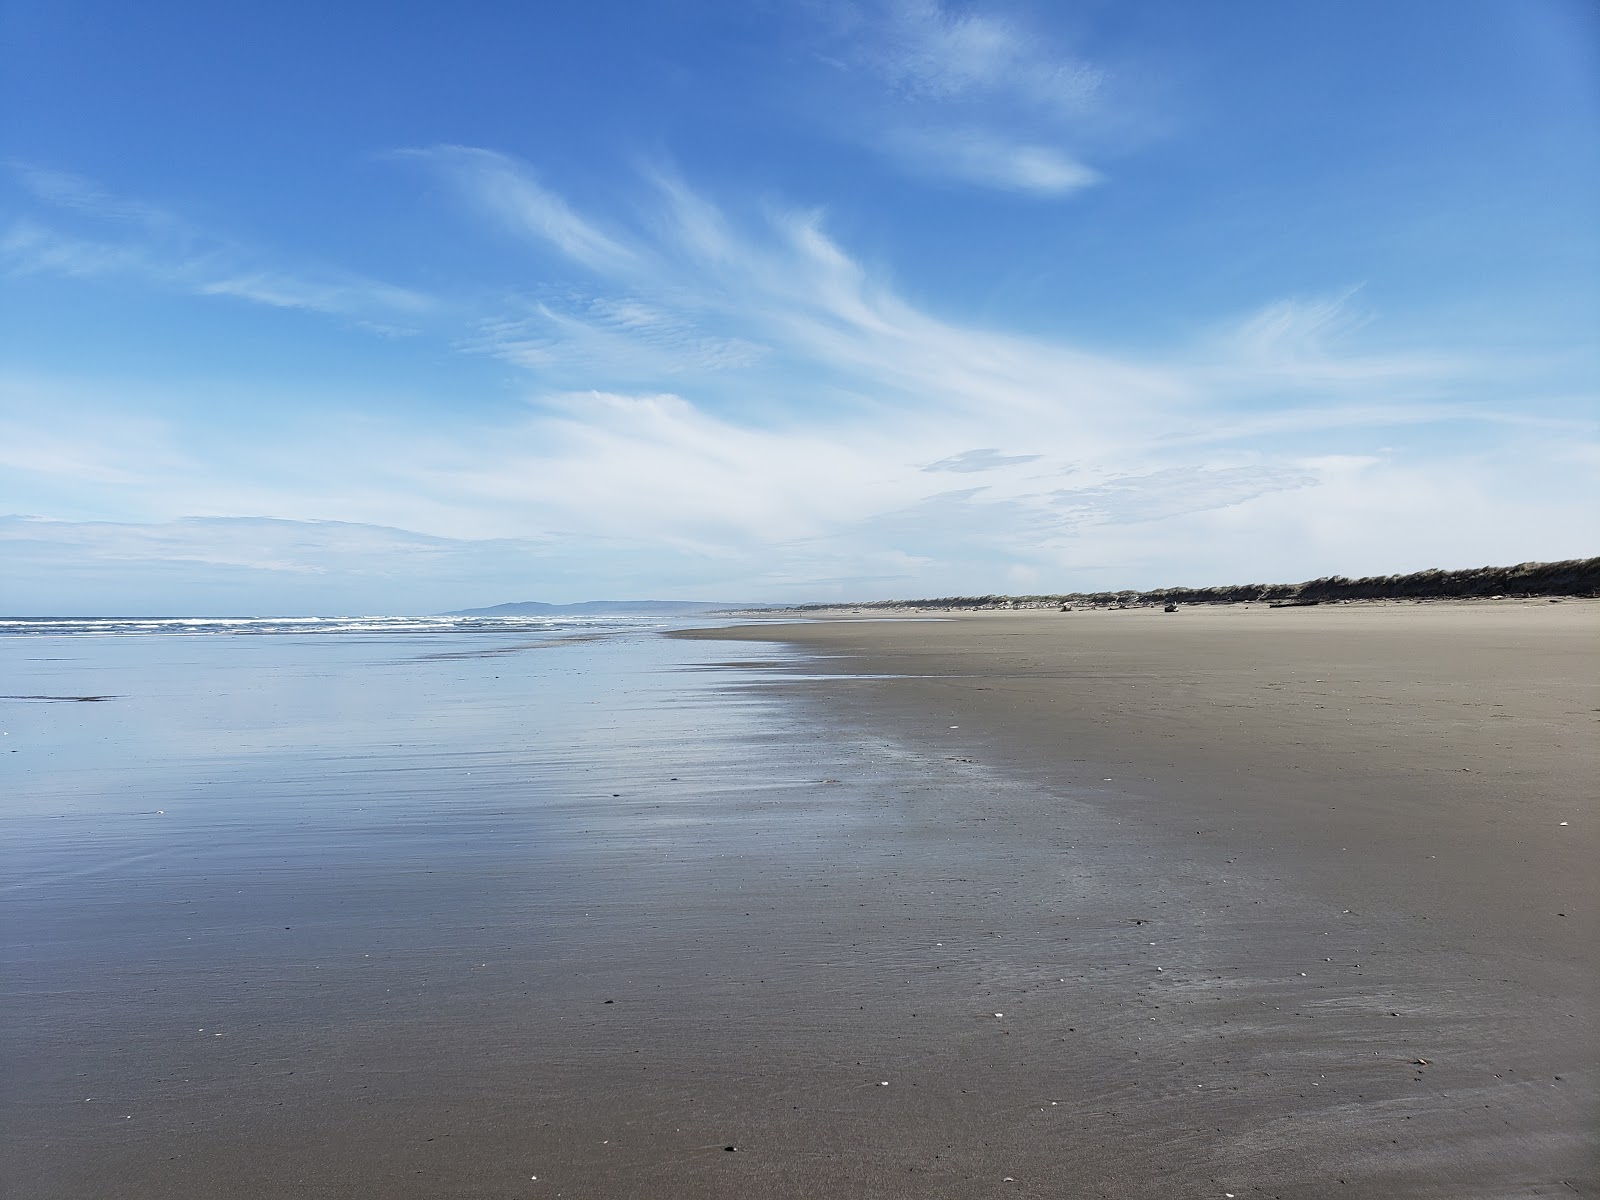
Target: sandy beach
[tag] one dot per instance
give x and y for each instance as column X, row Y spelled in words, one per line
column 1389, row 736
column 1262, row 903
column 1380, row 819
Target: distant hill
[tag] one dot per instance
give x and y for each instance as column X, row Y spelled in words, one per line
column 606, row 608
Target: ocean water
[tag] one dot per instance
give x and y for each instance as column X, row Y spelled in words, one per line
column 308, row 626
column 136, row 752
column 134, row 736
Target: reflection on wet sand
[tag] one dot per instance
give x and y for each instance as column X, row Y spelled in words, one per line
column 320, row 916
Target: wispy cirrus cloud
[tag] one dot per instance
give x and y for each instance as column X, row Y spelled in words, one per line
column 1176, row 492
column 826, row 435
column 930, row 51
column 510, row 192
column 1302, row 341
column 779, row 291
column 989, row 459
column 690, row 282
column 731, row 400
column 626, row 339
column 969, row 95
column 993, row 160
column 65, row 190
column 81, row 231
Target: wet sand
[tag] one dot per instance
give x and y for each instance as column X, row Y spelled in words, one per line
column 1148, row 922
column 1361, row 840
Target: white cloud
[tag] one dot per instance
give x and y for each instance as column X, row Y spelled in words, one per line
column 246, row 565
column 1175, row 492
column 930, row 52
column 624, row 338
column 64, row 190
column 973, row 95
column 977, row 156
column 140, row 241
column 1302, row 341
column 331, row 295
column 736, row 407
column 508, row 191
column 988, row 459
column 29, row 247
column 270, row 545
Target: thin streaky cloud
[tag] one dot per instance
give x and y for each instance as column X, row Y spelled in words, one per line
column 979, row 157
column 345, row 298
column 988, row 459
column 790, row 289
column 1300, row 340
column 138, row 240
column 31, row 248
column 1176, row 491
column 64, row 189
column 971, row 95
column 929, row 52
column 509, row 191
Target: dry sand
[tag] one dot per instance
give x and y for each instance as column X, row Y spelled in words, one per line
column 1361, row 840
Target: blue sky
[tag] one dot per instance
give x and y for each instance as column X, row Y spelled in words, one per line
column 403, row 307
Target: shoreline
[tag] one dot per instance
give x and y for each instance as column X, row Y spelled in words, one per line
column 365, row 918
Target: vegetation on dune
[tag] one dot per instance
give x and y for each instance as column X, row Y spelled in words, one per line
column 1573, row 577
